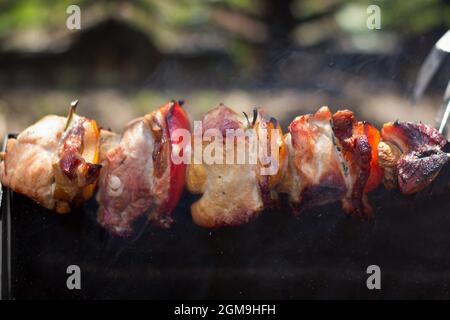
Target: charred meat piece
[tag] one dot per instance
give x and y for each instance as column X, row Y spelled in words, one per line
column 317, row 171
column 357, row 141
column 332, row 158
column 54, row 162
column 417, row 169
column 139, row 177
column 234, row 192
column 409, row 136
column 412, row 155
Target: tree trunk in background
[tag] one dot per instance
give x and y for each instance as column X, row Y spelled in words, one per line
column 280, row 22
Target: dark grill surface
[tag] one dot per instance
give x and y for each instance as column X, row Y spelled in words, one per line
column 322, row 254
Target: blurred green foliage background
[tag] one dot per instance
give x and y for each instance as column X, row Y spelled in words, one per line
column 290, row 56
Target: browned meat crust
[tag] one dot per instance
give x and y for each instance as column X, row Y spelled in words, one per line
column 419, row 158
column 46, row 162
column 232, row 194
column 133, row 181
column 317, row 171
column 357, row 153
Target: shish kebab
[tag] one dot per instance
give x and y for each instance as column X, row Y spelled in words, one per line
column 325, row 157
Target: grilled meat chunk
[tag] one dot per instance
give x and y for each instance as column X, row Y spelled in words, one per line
column 27, row 166
column 126, row 184
column 317, row 171
column 332, row 158
column 139, row 178
column 234, row 193
column 354, row 139
column 412, row 154
column 54, row 162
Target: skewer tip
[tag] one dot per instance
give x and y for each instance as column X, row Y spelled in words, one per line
column 74, row 104
column 73, row 107
column 255, row 116
column 246, row 117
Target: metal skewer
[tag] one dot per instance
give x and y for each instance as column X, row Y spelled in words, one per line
column 426, row 72
column 445, row 110
column 431, row 65
column 445, row 118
